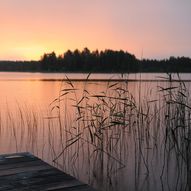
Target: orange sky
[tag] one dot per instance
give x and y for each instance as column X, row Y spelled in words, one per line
column 152, row 29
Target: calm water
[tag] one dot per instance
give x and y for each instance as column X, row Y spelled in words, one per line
column 30, row 122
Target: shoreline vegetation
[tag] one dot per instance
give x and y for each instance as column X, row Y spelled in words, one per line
column 113, row 138
column 108, row 61
column 114, row 126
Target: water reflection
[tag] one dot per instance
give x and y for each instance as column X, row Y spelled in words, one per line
column 113, row 135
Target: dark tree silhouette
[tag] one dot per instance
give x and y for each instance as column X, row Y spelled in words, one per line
column 98, row 61
column 49, row 61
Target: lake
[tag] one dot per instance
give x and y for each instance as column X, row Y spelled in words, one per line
column 113, row 131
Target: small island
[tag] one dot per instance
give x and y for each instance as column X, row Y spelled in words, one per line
column 107, row 61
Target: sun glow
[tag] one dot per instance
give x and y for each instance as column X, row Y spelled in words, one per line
column 29, row 52
column 24, row 53
column 28, row 31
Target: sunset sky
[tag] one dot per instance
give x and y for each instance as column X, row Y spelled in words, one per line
column 145, row 28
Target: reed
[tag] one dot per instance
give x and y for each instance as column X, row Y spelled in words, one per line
column 113, row 127
column 112, row 136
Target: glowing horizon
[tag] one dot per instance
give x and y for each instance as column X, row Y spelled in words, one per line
column 143, row 28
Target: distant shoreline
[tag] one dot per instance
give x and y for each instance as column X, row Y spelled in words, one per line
column 108, row 61
column 98, row 80
column 94, row 77
column 82, row 72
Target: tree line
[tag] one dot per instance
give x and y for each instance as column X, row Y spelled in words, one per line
column 98, row 61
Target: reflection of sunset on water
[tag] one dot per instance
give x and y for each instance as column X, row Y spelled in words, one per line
column 85, row 125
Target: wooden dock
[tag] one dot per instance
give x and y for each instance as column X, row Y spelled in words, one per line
column 23, row 172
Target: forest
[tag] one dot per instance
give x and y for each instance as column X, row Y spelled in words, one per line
column 106, row 61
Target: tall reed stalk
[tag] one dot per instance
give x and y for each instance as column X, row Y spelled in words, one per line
column 114, row 139
column 113, row 127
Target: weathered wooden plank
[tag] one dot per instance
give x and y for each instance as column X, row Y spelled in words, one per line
column 16, row 158
column 20, row 170
column 74, row 188
column 42, row 185
column 21, row 164
column 23, row 171
column 41, row 177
